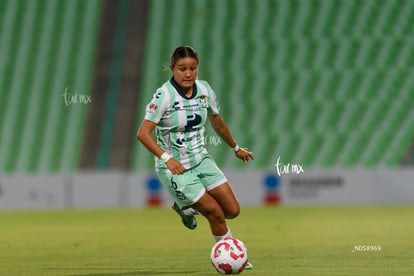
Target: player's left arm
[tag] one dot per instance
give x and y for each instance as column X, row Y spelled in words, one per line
column 220, row 127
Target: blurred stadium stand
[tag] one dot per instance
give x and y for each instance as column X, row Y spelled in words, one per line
column 115, row 86
column 321, row 83
column 46, row 48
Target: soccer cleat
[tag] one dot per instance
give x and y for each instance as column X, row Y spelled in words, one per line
column 189, row 221
column 249, row 266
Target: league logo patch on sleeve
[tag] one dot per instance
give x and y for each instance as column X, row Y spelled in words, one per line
column 152, row 107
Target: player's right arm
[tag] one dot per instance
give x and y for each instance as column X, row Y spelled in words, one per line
column 153, row 114
column 144, row 135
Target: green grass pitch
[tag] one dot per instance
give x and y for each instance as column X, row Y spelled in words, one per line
column 330, row 240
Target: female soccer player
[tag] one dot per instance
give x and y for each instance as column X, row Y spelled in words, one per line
column 178, row 112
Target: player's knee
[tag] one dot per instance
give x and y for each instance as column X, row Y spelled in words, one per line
column 233, row 212
column 215, row 216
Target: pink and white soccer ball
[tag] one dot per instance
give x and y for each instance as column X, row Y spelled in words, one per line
column 229, row 256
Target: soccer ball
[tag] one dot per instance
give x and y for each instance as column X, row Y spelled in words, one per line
column 229, row 256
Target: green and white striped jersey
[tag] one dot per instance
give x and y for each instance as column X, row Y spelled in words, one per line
column 180, row 121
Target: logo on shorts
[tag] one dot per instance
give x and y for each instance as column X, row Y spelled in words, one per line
column 180, row 195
